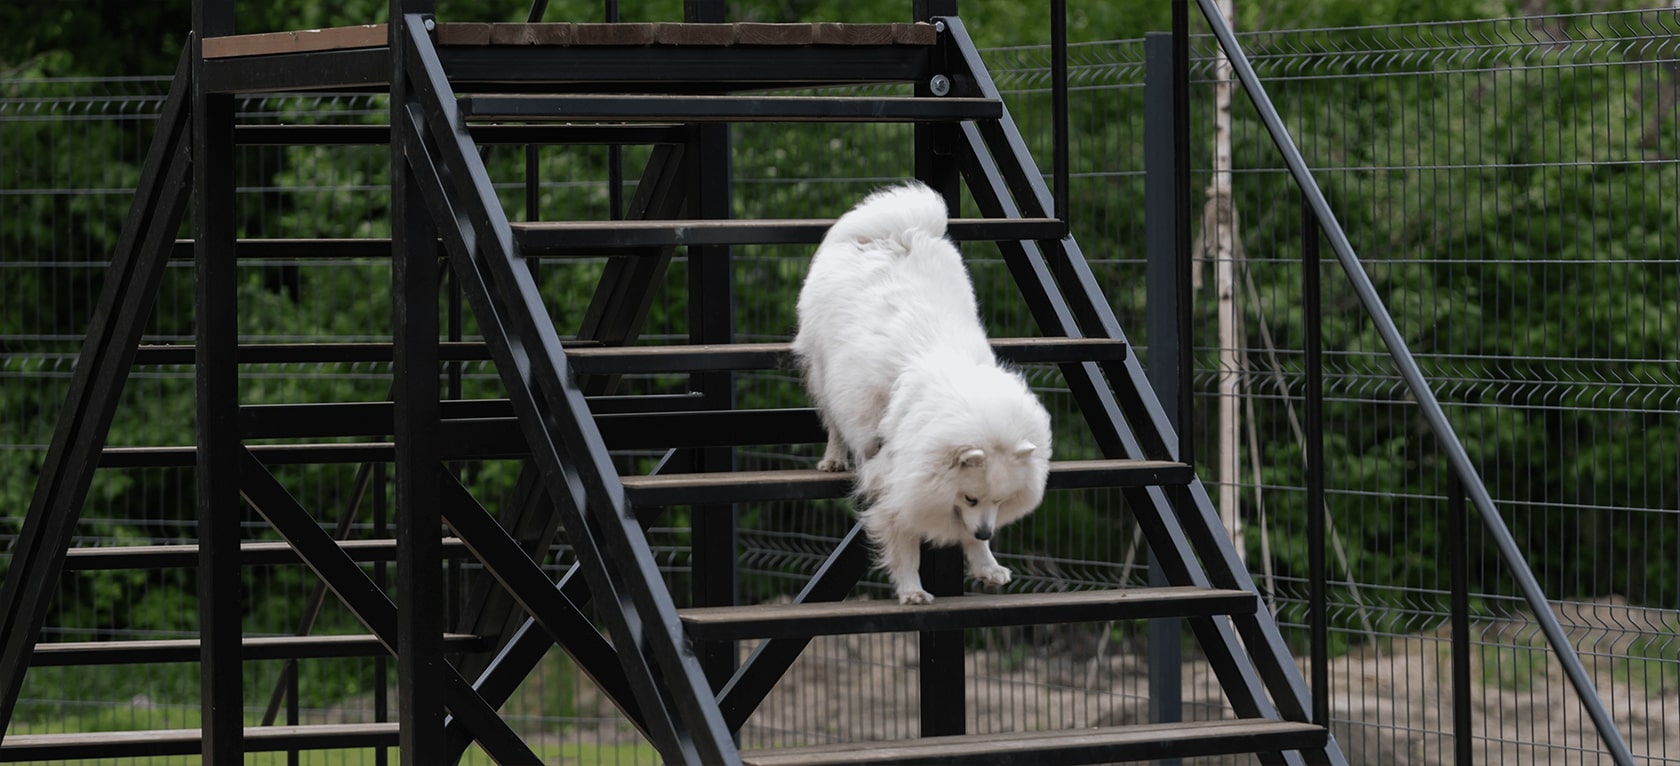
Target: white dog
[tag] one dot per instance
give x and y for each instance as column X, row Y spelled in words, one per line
column 949, row 446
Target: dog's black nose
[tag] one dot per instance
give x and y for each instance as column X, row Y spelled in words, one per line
column 983, row 533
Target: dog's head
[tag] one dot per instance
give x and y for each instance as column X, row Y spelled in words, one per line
column 986, row 483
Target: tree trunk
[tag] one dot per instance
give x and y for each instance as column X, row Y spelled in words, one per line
column 1224, row 247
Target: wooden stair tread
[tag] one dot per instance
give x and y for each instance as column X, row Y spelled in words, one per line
column 578, row 33
column 760, row 356
column 684, row 108
column 118, row 744
column 957, row 612
column 1099, row 745
column 811, row 484
column 591, row 360
column 126, row 652
column 590, row 237
column 162, row 556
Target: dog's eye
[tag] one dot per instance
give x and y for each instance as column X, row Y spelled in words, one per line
column 972, row 501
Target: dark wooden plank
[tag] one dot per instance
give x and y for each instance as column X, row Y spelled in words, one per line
column 679, row 33
column 250, row 554
column 810, row 484
column 162, row 742
column 61, row 653
column 919, row 33
column 1075, row 746
column 753, row 33
column 760, row 356
column 832, row 33
column 563, row 238
column 299, row 41
column 960, row 612
column 463, row 33
column 622, row 33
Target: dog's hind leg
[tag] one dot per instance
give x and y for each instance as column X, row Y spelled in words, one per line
column 982, row 565
column 834, row 459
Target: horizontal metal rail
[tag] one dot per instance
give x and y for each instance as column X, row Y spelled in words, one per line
column 1418, row 386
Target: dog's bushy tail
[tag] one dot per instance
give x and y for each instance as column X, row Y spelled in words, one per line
column 893, row 217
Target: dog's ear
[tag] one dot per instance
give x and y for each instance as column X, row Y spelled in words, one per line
column 973, row 457
column 1024, row 450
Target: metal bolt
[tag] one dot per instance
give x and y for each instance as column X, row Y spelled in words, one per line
column 940, row 85
column 939, row 25
column 431, row 24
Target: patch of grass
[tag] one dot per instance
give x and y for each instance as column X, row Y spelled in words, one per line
column 1513, row 667
column 1653, row 661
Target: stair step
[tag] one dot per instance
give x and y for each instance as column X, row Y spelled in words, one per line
column 574, row 238
column 627, row 360
column 600, row 360
column 1101, row 745
column 250, row 554
column 188, row 742
column 733, row 623
column 810, row 484
column 254, row 648
column 505, row 107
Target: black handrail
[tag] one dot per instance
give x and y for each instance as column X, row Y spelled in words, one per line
column 1418, row 386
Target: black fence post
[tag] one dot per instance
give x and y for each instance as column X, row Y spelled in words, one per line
column 1458, row 533
column 1166, row 337
column 1317, row 570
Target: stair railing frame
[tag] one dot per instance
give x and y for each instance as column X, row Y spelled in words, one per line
column 1469, row 480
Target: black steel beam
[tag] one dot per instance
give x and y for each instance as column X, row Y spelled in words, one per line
column 662, row 108
column 416, row 394
column 565, row 624
column 770, row 660
column 368, row 602
column 125, row 302
column 354, row 69
column 552, row 409
column 690, row 68
column 216, row 325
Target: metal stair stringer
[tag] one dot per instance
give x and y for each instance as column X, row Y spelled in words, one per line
column 670, row 687
column 106, row 357
column 1186, row 535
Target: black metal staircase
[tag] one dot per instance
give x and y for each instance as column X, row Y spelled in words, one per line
column 453, row 87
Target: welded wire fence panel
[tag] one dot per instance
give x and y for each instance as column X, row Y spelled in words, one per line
column 1512, row 186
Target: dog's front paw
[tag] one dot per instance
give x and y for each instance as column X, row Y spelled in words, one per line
column 917, row 596
column 831, row 465
column 993, row 575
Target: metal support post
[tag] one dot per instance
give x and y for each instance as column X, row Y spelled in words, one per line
column 221, row 689
column 421, row 671
column 711, row 320
column 1161, row 277
column 943, row 676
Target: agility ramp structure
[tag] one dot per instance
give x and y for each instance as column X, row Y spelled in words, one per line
column 671, row 672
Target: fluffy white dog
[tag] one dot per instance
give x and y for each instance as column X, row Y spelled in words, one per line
column 949, row 445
